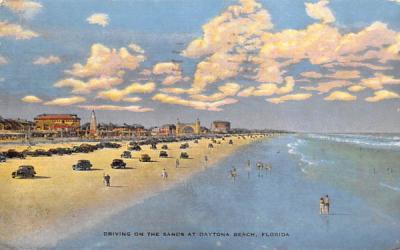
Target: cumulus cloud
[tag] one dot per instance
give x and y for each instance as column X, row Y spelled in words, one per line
column 65, row 101
column 228, row 89
column 311, row 74
column 47, row 60
column 121, row 94
column 98, row 19
column 345, row 74
column 137, row 109
column 356, row 88
column 325, row 87
column 379, row 81
column 268, row 89
column 382, row 95
column 292, row 97
column 340, row 96
column 320, row 11
column 31, row 99
column 25, row 7
column 82, row 87
column 104, row 61
column 166, row 68
column 16, row 31
column 210, row 106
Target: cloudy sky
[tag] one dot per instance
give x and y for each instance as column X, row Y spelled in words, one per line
column 327, row 66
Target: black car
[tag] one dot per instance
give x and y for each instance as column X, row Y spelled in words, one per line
column 82, row 165
column 14, row 154
column 230, row 142
column 135, row 148
column 145, row 158
column 118, row 163
column 184, row 155
column 165, row 146
column 184, row 145
column 163, row 154
column 3, row 158
column 24, row 171
column 41, row 152
column 126, row 154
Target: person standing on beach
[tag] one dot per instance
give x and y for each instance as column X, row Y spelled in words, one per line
column 164, row 174
column 206, row 159
column 177, row 163
column 326, row 202
column 321, row 206
column 107, row 179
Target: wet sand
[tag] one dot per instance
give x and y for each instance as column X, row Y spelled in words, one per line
column 59, row 201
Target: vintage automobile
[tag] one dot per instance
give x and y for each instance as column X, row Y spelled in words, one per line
column 3, row 158
column 41, row 152
column 145, row 158
column 184, row 155
column 11, row 153
column 153, row 146
column 118, row 164
column 126, row 154
column 184, row 145
column 196, row 141
column 210, row 145
column 24, row 171
column 82, row 165
column 165, row 146
column 135, row 148
column 230, row 142
column 163, row 154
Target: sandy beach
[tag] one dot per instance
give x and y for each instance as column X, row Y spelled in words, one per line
column 60, row 201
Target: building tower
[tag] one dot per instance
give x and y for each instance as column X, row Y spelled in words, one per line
column 197, row 128
column 93, row 125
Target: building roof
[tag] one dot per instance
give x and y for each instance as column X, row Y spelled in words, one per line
column 57, row 116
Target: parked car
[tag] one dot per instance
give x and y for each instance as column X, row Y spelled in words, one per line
column 11, row 153
column 24, row 171
column 230, row 142
column 184, row 155
column 184, row 145
column 165, row 146
column 135, row 148
column 145, row 158
column 153, row 146
column 163, row 154
column 82, row 165
column 126, row 154
column 41, row 152
column 196, row 141
column 3, row 158
column 118, row 163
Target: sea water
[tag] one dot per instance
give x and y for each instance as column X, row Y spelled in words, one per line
column 276, row 209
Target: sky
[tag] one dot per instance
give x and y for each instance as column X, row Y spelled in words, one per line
column 312, row 66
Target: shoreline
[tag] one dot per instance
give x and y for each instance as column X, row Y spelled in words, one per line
column 57, row 219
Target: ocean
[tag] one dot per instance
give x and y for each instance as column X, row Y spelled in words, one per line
column 276, row 209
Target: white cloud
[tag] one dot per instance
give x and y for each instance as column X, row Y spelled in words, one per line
column 382, row 95
column 269, row 89
column 47, row 60
column 65, row 101
column 81, row 87
column 99, row 19
column 25, row 7
column 121, row 94
column 292, row 97
column 379, row 81
column 320, row 11
column 356, row 88
column 31, row 99
column 210, row 106
column 228, row 89
column 166, row 68
column 340, row 96
column 137, row 109
column 3, row 60
column 104, row 61
column 325, row 87
column 15, row 31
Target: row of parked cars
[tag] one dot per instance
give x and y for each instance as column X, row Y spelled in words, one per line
column 83, row 148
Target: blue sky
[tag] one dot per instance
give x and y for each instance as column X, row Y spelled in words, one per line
column 271, row 88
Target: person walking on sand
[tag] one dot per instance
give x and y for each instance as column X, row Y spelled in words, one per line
column 177, row 163
column 233, row 173
column 327, row 203
column 164, row 174
column 206, row 159
column 321, row 206
column 107, row 179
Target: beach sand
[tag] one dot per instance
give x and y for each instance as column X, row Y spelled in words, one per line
column 59, row 201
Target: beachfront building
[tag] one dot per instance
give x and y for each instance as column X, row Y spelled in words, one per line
column 114, row 130
column 66, row 124
column 188, row 128
column 220, row 127
column 13, row 129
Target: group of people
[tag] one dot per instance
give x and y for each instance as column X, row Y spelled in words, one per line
column 324, row 205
